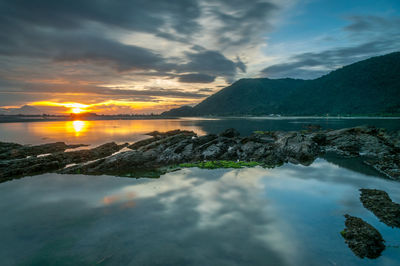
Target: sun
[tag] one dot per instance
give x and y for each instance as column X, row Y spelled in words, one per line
column 77, row 110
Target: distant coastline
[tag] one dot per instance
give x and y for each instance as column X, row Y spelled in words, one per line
column 52, row 118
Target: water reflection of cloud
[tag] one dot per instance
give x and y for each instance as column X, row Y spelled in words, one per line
column 221, row 199
column 249, row 216
column 125, row 200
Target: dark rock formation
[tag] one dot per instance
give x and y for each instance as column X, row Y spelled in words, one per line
column 10, row 169
column 182, row 146
column 380, row 149
column 379, row 202
column 10, row 151
column 362, row 238
column 163, row 150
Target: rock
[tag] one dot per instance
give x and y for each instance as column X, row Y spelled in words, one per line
column 212, row 152
column 362, row 238
column 387, row 165
column 230, row 133
column 320, row 139
column 165, row 149
column 10, row 169
column 379, row 202
column 170, row 133
column 360, row 140
column 9, row 151
column 313, row 127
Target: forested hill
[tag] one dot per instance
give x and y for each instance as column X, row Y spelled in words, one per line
column 369, row 87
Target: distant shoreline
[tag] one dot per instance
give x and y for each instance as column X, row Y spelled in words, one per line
column 21, row 119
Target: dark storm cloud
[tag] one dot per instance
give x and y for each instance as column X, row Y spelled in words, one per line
column 242, row 20
column 59, row 31
column 43, row 88
column 78, row 46
column 122, row 57
column 312, row 65
column 211, row 63
column 137, row 15
column 196, row 78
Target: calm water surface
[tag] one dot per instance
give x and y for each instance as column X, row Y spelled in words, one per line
column 99, row 132
column 290, row 215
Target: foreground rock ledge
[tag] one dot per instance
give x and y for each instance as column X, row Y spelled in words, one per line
column 362, row 238
column 379, row 202
column 268, row 148
column 32, row 165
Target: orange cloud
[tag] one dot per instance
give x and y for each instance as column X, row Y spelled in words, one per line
column 109, row 106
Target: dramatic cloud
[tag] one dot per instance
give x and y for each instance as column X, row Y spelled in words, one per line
column 241, row 21
column 137, row 15
column 196, row 78
column 161, row 53
column 383, row 36
column 212, row 63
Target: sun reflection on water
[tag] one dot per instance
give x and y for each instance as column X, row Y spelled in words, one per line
column 77, row 126
column 95, row 132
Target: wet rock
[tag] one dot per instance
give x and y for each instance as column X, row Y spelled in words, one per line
column 360, row 141
column 212, row 152
column 9, row 151
column 7, row 146
column 10, row 169
column 230, row 133
column 362, row 238
column 165, row 149
column 379, row 202
column 313, row 127
column 297, row 148
column 320, row 139
column 170, row 133
column 387, row 165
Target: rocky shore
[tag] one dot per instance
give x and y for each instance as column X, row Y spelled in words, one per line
column 53, row 158
column 161, row 151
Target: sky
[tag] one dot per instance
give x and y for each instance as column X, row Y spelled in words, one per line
column 141, row 56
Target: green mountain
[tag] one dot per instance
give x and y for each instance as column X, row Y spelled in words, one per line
column 369, row 87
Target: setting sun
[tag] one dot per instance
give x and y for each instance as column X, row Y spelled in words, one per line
column 77, row 110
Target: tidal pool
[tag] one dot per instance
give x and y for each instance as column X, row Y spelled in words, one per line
column 291, row 215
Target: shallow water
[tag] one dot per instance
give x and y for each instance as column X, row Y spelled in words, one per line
column 291, row 215
column 101, row 131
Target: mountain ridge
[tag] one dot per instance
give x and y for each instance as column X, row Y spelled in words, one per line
column 367, row 87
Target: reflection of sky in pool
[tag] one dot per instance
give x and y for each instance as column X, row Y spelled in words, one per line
column 290, row 215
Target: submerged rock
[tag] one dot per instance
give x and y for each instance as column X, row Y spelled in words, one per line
column 362, row 238
column 379, row 202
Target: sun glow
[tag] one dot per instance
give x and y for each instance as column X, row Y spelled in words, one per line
column 107, row 107
column 77, row 110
